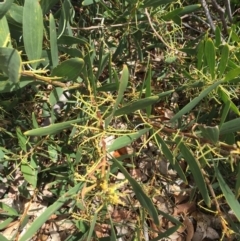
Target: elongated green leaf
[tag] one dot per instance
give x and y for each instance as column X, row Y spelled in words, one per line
column 137, row 105
column 226, row 98
column 34, row 121
column 181, row 11
column 33, row 30
column 218, row 37
column 15, row 14
column 210, row 56
column 55, row 95
column 189, row 9
column 62, row 23
column 5, row 40
column 53, row 41
column 108, row 87
column 224, row 60
column 22, row 140
column 67, row 12
column 70, row 40
column 38, row 222
column 122, row 87
column 228, row 194
column 166, row 93
column 53, row 153
column 200, row 54
column 46, row 5
column 144, row 200
column 230, row 127
column 89, row 2
column 9, row 210
column 92, row 226
column 211, row 133
column 10, row 63
column 53, row 129
column 167, row 233
column 5, row 223
column 7, row 86
column 126, row 140
column 113, row 233
column 155, row 3
column 72, row 52
column 232, row 64
column 232, row 74
column 103, row 61
column 69, row 69
column 3, row 238
column 122, row 44
column 168, row 154
column 4, row 7
column 196, row 172
column 88, row 72
column 169, row 217
column 195, row 101
column 234, row 34
column 30, row 171
column 169, row 16
column 229, row 138
column 224, row 113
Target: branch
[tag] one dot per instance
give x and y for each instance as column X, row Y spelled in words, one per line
column 208, row 16
column 221, row 14
column 51, row 80
column 154, row 30
column 228, row 9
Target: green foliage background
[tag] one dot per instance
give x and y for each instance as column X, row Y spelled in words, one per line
column 69, row 70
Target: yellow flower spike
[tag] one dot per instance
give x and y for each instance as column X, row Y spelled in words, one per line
column 104, row 185
column 112, row 194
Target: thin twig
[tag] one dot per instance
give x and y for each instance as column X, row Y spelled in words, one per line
column 25, row 213
column 228, row 9
column 221, row 14
column 154, row 30
column 208, row 16
column 107, row 26
column 51, row 80
column 219, row 212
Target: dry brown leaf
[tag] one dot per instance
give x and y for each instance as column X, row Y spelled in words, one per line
column 43, row 237
column 35, row 209
column 190, row 229
column 176, row 235
column 120, row 214
column 54, row 232
column 179, row 194
column 184, row 208
column 102, row 230
column 163, row 204
column 162, row 165
column 155, row 230
column 137, row 174
column 64, row 224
